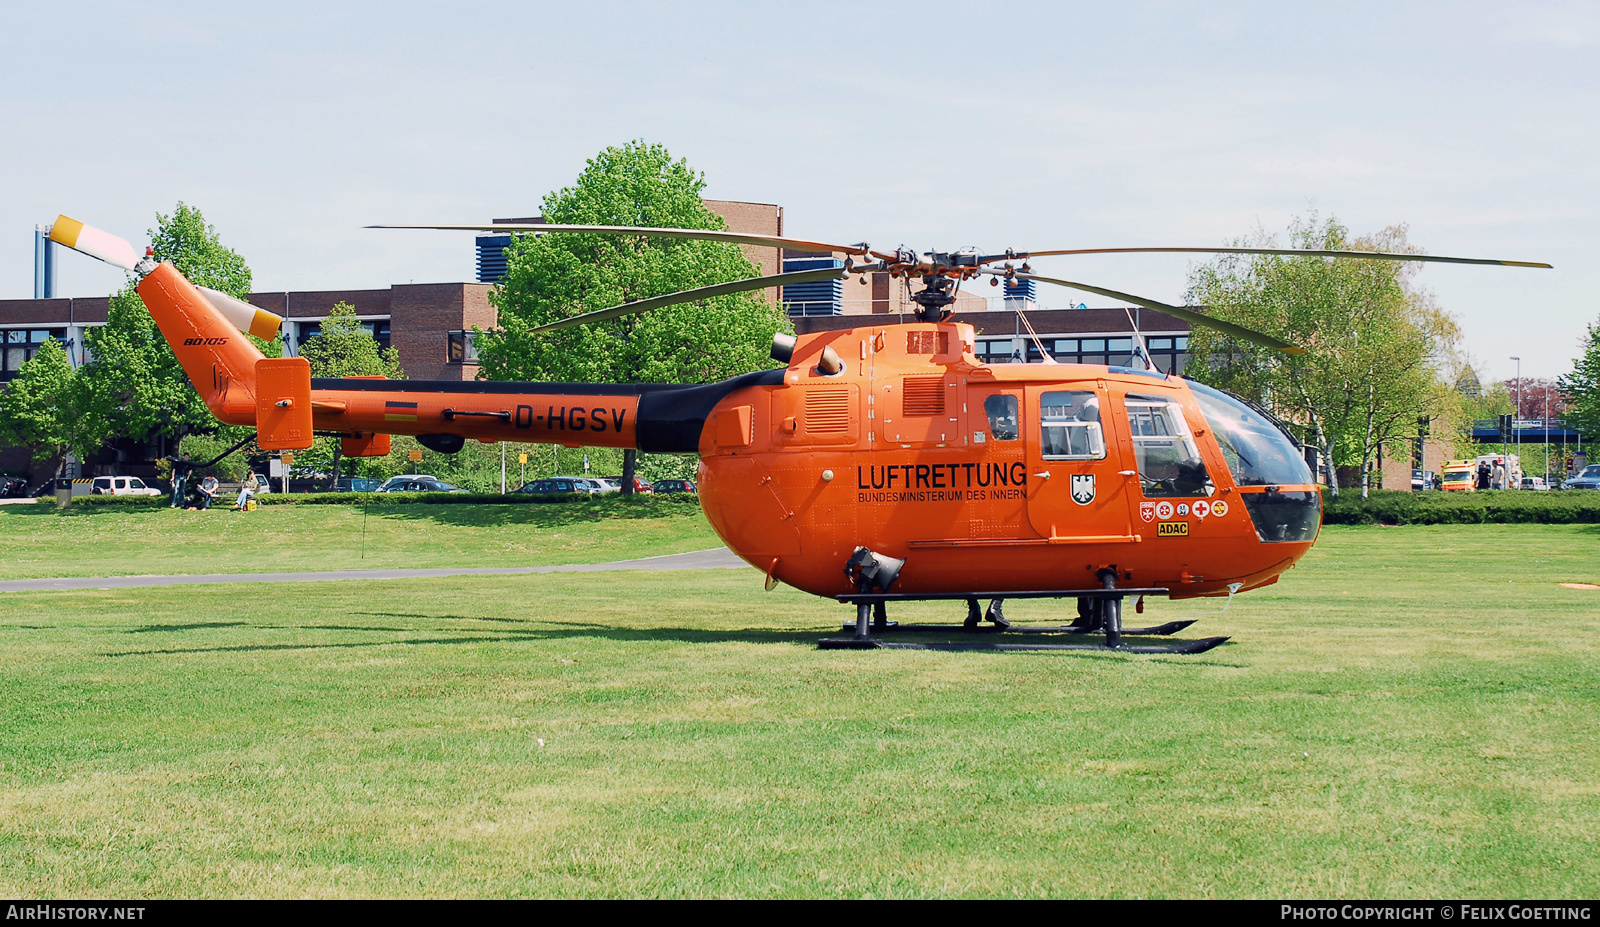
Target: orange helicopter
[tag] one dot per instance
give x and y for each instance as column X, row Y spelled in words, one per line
column 881, row 463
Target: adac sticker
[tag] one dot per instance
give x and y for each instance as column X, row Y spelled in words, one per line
column 1172, row 529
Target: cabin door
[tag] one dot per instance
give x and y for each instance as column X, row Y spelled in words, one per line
column 1074, row 487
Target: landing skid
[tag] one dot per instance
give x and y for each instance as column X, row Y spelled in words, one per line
column 1099, row 612
column 1173, row 647
column 1159, row 630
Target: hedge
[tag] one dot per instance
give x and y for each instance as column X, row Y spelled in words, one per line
column 1498, row 507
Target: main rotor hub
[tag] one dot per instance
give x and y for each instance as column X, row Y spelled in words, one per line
column 934, row 299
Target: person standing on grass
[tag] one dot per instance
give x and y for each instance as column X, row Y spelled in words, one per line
column 180, row 478
column 250, row 488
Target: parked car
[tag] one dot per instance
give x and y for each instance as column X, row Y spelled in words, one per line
column 662, row 487
column 395, row 480
column 421, row 484
column 1535, row 483
column 355, row 484
column 1423, row 479
column 122, row 486
column 1587, row 478
column 555, row 486
column 638, row 484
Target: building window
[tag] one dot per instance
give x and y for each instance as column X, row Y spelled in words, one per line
column 462, row 348
column 18, row 345
column 824, row 297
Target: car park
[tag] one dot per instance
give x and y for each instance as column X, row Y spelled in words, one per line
column 1587, row 478
column 122, row 486
column 663, row 487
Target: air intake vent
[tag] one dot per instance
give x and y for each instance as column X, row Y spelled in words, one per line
column 923, row 395
column 927, row 342
column 827, row 411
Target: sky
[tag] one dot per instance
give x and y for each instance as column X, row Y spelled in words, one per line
column 933, row 125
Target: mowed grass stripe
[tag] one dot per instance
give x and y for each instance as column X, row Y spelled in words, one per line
column 1412, row 712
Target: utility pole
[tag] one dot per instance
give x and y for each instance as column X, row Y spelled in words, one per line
column 1516, row 413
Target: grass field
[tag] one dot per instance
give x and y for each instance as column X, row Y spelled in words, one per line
column 42, row 541
column 1412, row 712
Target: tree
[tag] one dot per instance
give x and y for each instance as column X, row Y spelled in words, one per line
column 553, row 277
column 1373, row 341
column 343, row 347
column 1582, row 385
column 133, row 386
column 36, row 408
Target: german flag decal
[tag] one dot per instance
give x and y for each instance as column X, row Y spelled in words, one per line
column 394, row 411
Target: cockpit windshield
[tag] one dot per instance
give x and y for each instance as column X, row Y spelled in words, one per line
column 1257, row 451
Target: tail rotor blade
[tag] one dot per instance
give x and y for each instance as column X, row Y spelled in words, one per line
column 1178, row 312
column 689, row 296
column 242, row 315
column 93, row 242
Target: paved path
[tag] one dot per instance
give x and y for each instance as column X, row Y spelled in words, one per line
column 717, row 558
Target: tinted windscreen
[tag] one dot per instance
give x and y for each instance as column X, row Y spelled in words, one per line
column 1257, row 451
column 1284, row 516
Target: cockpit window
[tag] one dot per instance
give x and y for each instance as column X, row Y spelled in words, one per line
column 1002, row 412
column 1169, row 462
column 1257, row 451
column 1069, row 426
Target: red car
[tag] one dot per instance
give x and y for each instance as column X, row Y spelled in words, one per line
column 639, row 486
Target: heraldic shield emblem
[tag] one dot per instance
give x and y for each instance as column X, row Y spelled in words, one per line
column 1083, row 488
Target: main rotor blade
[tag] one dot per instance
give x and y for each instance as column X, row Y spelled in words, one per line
column 1370, row 255
column 1188, row 315
column 738, row 238
column 689, row 296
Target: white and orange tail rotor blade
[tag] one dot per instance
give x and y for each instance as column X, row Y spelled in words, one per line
column 93, row 242
column 242, row 315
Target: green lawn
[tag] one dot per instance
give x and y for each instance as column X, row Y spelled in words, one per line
column 42, row 541
column 1412, row 712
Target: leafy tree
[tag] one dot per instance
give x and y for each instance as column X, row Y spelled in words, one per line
column 343, row 347
column 36, row 408
column 553, row 277
column 1374, row 341
column 133, row 386
column 1582, row 385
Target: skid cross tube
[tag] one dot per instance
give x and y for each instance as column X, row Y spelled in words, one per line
column 875, row 597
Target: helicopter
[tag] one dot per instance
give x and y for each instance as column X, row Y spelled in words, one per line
column 878, row 464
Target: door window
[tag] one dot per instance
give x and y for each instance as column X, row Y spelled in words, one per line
column 1002, row 412
column 1069, row 426
column 1169, row 462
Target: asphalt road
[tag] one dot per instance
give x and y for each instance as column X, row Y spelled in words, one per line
column 717, row 558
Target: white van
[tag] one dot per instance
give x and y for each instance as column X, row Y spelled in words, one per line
column 122, row 486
